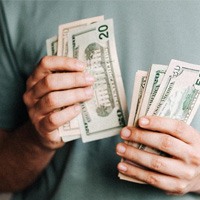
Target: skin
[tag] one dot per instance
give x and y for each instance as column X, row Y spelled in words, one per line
column 176, row 174
column 52, row 99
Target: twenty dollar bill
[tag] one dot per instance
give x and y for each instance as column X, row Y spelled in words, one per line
column 106, row 113
column 71, row 130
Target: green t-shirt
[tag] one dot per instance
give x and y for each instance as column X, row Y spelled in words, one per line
column 146, row 32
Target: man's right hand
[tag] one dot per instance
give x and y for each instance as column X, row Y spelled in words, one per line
column 54, row 91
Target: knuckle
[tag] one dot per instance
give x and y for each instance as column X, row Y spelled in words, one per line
column 194, row 158
column 130, row 155
column 137, row 136
column 190, row 174
column 49, row 81
column 53, row 120
column 44, row 62
column 50, row 100
column 151, row 179
column 156, row 164
column 166, row 142
column 26, row 98
column 181, row 188
column 179, row 127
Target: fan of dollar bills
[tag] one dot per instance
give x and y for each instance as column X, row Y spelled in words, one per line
column 164, row 91
column 92, row 41
column 170, row 91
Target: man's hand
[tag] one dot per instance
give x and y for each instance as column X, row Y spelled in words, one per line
column 54, row 91
column 177, row 174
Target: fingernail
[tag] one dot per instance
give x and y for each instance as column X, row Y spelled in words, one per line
column 121, row 148
column 125, row 132
column 89, row 92
column 122, row 167
column 143, row 121
column 77, row 107
column 89, row 78
column 80, row 65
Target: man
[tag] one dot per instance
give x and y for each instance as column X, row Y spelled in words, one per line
column 34, row 162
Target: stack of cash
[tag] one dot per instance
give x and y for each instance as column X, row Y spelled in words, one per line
column 92, row 41
column 169, row 91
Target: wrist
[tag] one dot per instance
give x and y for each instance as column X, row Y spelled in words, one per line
column 40, row 141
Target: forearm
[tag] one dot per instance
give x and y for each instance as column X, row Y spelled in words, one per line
column 22, row 158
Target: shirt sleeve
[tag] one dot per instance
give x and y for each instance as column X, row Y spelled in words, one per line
column 12, row 82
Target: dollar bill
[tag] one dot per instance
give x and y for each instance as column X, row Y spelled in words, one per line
column 63, row 31
column 106, row 113
column 138, row 96
column 155, row 77
column 68, row 138
column 137, row 99
column 178, row 96
column 152, row 82
column 52, row 46
column 71, row 128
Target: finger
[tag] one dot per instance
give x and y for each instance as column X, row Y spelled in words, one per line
column 164, row 165
column 176, row 128
column 51, row 64
column 160, row 141
column 60, row 99
column 52, row 140
column 60, row 81
column 57, row 119
column 53, row 137
column 164, row 182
